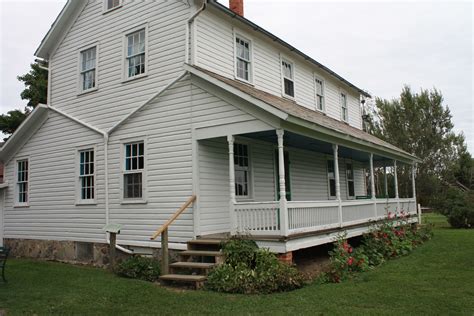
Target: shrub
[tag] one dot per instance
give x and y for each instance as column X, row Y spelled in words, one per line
column 345, row 260
column 136, row 267
column 458, row 207
column 249, row 270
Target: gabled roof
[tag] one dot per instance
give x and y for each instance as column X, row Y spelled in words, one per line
column 257, row 28
column 299, row 112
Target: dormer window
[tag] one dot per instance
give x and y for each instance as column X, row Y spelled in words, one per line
column 112, row 4
column 243, row 63
column 344, row 113
column 287, row 70
column 319, row 94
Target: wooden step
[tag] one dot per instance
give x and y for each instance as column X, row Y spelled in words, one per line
column 201, row 253
column 183, row 277
column 192, row 265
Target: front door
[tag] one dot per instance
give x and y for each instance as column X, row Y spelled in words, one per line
column 287, row 175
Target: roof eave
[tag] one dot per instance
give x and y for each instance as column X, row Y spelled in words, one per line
column 275, row 38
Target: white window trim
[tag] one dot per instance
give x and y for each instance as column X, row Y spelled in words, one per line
column 144, row 198
column 250, row 196
column 251, row 62
column 80, row 201
column 125, row 77
column 316, row 77
column 341, row 92
column 106, row 10
column 16, row 203
column 80, row 91
column 350, row 162
column 331, row 197
column 289, row 61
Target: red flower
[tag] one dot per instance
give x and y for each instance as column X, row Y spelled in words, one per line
column 350, row 261
column 349, row 250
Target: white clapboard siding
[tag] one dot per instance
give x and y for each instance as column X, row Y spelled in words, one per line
column 52, row 213
column 114, row 99
column 215, row 51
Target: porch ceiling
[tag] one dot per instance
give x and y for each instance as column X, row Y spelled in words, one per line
column 302, row 142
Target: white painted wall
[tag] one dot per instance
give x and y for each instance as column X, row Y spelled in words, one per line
column 214, row 50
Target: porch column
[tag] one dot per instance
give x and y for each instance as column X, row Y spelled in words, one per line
column 395, row 179
column 335, row 149
column 232, row 201
column 385, row 181
column 413, row 176
column 281, row 178
column 372, row 183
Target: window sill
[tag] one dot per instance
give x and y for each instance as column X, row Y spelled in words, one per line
column 125, row 202
column 250, row 83
column 144, row 75
column 21, row 205
column 288, row 97
column 244, row 199
column 112, row 9
column 81, row 203
column 87, row 91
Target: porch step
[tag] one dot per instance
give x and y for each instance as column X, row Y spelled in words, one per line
column 197, row 280
column 192, row 265
column 216, row 242
column 201, row 253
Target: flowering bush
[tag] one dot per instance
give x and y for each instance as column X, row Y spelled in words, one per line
column 392, row 238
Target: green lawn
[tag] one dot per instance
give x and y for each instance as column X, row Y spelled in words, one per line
column 438, row 278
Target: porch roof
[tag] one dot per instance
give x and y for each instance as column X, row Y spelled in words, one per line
column 293, row 109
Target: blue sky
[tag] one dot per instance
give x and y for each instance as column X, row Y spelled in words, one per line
column 377, row 45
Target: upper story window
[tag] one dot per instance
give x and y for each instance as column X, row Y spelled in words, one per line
column 319, row 94
column 22, row 181
column 242, row 170
column 88, row 68
column 288, row 72
column 350, row 180
column 243, row 63
column 136, row 53
column 344, row 113
column 86, row 175
column 112, row 4
column 331, row 179
column 134, row 167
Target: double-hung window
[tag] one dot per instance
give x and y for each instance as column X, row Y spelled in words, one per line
column 134, row 166
column 22, row 182
column 331, row 179
column 243, row 59
column 319, row 94
column 288, row 72
column 112, row 4
column 344, row 114
column 136, row 53
column 242, row 170
column 88, row 68
column 86, row 175
column 350, row 180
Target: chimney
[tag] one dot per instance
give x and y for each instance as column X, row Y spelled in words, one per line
column 237, row 6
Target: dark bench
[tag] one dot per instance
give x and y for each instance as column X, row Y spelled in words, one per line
column 3, row 260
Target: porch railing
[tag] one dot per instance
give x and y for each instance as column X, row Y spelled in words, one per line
column 263, row 218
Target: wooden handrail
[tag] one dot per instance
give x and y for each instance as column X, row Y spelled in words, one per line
column 174, row 217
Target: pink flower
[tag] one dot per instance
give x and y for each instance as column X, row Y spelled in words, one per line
column 350, row 261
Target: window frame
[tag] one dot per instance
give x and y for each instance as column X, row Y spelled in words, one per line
column 350, row 163
column 331, row 197
column 143, row 199
column 79, row 200
column 125, row 57
column 250, row 194
column 342, row 107
column 250, row 61
column 323, row 88
column 283, row 77
column 17, row 202
column 106, row 9
column 80, row 89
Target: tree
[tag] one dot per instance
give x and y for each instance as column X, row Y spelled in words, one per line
column 36, row 92
column 420, row 124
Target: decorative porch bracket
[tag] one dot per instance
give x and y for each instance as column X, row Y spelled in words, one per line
column 281, row 176
column 335, row 149
column 232, row 201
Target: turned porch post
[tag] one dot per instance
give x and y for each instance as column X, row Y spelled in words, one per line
column 395, row 179
column 281, row 177
column 413, row 176
column 385, row 181
column 232, row 201
column 335, row 149
column 372, row 183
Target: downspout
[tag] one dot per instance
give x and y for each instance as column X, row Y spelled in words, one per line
column 187, row 54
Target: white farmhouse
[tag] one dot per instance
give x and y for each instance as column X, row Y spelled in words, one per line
column 153, row 102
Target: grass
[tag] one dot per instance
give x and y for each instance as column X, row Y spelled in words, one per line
column 437, row 278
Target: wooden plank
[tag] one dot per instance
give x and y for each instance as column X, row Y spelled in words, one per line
column 174, row 217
